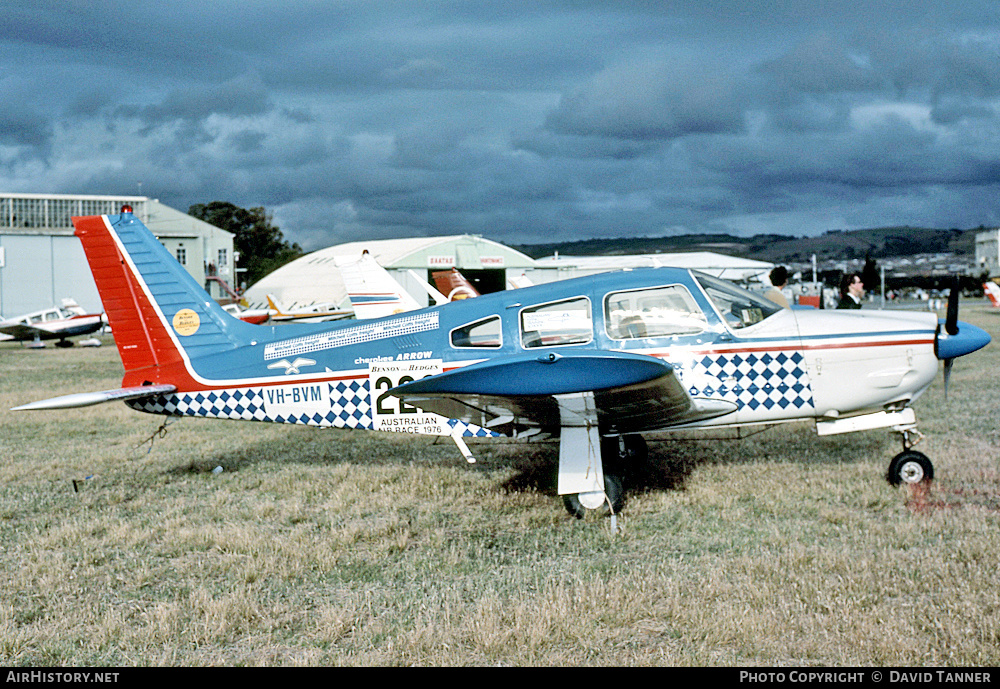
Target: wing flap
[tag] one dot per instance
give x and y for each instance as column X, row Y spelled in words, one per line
column 87, row 399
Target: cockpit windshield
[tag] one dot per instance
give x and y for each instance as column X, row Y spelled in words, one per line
column 737, row 306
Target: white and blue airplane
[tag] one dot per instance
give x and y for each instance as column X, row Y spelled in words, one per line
column 595, row 361
column 56, row 323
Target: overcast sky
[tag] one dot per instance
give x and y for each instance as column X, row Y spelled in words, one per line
column 524, row 122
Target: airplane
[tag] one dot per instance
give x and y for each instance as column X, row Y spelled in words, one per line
column 595, row 361
column 316, row 313
column 992, row 292
column 519, row 281
column 373, row 293
column 255, row 316
column 454, row 285
column 56, row 323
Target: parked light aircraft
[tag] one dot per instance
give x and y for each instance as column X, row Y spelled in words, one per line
column 316, row 313
column 56, row 323
column 454, row 285
column 255, row 316
column 596, row 361
column 373, row 293
column 992, row 291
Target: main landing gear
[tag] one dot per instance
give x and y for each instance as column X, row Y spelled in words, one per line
column 909, row 466
column 618, row 455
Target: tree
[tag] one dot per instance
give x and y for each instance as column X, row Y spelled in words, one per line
column 262, row 247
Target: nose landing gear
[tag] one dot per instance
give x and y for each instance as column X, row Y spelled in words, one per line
column 909, row 466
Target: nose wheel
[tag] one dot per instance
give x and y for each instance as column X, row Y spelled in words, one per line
column 909, row 467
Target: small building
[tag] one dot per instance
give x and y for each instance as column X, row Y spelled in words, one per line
column 42, row 262
column 988, row 253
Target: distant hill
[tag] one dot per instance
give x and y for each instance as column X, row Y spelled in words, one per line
column 834, row 245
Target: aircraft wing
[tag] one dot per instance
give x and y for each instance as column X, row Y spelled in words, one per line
column 23, row 331
column 631, row 392
column 86, row 399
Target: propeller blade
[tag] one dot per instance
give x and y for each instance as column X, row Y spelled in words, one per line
column 951, row 319
column 947, row 375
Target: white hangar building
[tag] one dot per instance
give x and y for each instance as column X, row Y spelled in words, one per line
column 42, row 262
column 314, row 278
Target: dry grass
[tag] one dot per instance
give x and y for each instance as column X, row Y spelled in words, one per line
column 338, row 548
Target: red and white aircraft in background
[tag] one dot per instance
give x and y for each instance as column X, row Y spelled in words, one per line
column 992, row 292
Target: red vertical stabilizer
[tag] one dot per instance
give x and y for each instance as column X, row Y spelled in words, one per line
column 142, row 340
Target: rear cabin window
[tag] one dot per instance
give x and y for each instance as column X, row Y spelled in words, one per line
column 567, row 322
column 486, row 333
column 652, row 312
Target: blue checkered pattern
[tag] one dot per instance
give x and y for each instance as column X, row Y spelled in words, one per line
column 753, row 379
column 350, row 407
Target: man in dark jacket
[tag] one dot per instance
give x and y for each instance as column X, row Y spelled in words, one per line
column 851, row 292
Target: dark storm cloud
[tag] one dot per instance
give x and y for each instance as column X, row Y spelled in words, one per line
column 520, row 121
column 195, row 102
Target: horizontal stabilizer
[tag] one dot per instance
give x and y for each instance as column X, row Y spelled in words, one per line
column 87, row 399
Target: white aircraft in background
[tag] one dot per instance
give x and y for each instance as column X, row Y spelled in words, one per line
column 315, row 313
column 373, row 292
column 55, row 323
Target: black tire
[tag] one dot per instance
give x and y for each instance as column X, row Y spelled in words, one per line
column 909, row 467
column 612, row 489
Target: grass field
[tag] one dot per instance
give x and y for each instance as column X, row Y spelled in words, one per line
column 122, row 547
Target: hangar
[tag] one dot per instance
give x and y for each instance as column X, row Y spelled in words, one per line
column 314, row 278
column 42, row 262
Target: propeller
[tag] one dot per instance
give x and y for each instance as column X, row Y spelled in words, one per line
column 951, row 326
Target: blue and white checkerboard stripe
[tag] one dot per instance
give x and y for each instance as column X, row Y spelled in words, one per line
column 350, row 407
column 755, row 380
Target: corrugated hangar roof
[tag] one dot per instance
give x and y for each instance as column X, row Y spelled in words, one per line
column 314, row 278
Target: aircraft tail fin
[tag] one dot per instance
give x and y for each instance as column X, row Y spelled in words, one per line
column 159, row 315
column 272, row 304
column 372, row 291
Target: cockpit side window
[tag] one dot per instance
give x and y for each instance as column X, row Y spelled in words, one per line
column 567, row 322
column 737, row 306
column 652, row 312
column 487, row 333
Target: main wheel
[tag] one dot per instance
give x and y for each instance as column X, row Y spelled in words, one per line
column 579, row 504
column 909, row 467
column 622, row 454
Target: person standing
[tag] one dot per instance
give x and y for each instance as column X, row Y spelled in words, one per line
column 851, row 292
column 779, row 278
